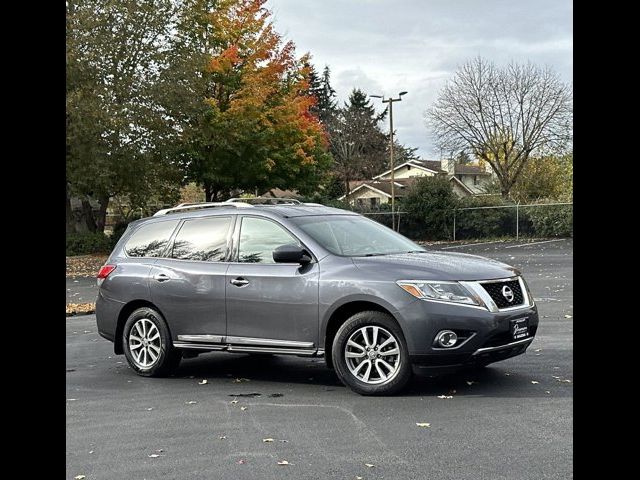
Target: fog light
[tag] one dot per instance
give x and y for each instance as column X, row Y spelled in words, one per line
column 447, row 338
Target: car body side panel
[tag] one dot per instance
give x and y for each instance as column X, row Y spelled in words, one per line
column 128, row 282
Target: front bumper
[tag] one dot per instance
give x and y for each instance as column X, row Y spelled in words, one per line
column 489, row 340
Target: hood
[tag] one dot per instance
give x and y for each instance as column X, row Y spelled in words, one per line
column 434, row 265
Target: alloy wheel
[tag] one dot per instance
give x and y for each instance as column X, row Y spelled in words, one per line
column 372, row 355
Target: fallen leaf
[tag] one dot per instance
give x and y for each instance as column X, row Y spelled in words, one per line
column 203, row 382
column 79, row 477
column 507, row 374
column 547, row 391
column 427, row 425
column 358, row 478
column 283, row 462
column 267, row 440
column 192, row 402
column 243, row 408
column 233, row 402
column 568, row 316
column 566, row 381
column 471, row 382
column 160, row 450
column 222, row 437
column 276, row 395
column 149, row 409
column 284, row 441
column 71, row 399
column 241, row 462
column 240, row 380
column 153, row 455
column 537, row 350
column 535, row 382
column 556, row 377
column 445, row 396
column 370, row 465
column 91, row 451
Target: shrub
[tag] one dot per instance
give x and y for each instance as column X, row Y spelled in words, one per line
column 429, row 205
column 481, row 223
column 87, row 243
column 551, row 221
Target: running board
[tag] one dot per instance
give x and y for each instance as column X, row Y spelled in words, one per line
column 249, row 349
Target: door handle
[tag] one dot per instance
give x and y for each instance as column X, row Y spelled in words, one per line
column 161, row 277
column 239, row 282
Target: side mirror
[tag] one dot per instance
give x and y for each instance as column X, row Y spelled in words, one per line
column 291, row 254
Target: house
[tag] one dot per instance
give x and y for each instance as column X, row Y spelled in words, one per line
column 466, row 180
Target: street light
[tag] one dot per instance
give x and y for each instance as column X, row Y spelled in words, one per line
column 390, row 101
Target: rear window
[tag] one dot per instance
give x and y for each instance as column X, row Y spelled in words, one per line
column 203, row 239
column 150, row 240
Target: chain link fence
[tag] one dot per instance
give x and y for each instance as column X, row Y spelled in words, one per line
column 471, row 223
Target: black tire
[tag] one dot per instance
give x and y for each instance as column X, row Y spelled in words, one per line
column 354, row 323
column 168, row 357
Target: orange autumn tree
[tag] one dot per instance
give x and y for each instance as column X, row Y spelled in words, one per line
column 243, row 102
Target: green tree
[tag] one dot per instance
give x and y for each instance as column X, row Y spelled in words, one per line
column 548, row 177
column 320, row 87
column 116, row 131
column 241, row 100
column 429, row 203
column 358, row 146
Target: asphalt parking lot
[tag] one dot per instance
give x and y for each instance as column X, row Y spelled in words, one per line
column 512, row 420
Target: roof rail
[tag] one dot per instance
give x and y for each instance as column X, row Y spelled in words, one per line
column 266, row 201
column 198, row 206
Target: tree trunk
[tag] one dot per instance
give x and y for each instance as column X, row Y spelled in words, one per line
column 70, row 221
column 87, row 215
column 101, row 220
column 208, row 192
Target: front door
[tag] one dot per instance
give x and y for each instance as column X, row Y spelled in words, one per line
column 189, row 286
column 268, row 303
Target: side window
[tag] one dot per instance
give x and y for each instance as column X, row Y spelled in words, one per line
column 150, row 240
column 203, row 239
column 259, row 238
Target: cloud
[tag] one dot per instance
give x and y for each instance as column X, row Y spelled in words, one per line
column 385, row 46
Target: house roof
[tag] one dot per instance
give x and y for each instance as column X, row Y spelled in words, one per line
column 432, row 166
column 384, row 187
column 470, row 170
column 466, row 188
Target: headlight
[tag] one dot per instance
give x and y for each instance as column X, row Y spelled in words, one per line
column 441, row 291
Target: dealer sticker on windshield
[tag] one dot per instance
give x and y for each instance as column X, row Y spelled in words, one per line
column 520, row 328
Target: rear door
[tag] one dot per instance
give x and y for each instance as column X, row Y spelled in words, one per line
column 189, row 286
column 268, row 303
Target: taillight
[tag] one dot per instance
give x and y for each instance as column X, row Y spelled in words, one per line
column 105, row 271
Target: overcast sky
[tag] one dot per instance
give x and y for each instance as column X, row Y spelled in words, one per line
column 386, row 46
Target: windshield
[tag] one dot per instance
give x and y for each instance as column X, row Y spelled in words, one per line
column 355, row 236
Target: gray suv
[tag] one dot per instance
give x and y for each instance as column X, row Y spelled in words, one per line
column 308, row 280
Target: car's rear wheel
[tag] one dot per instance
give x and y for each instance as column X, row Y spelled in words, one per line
column 370, row 354
column 147, row 344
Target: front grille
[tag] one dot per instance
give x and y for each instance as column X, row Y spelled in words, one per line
column 494, row 289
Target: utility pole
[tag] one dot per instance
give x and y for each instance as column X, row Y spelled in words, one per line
column 390, row 101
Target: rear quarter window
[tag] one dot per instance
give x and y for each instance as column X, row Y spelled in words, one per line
column 150, row 240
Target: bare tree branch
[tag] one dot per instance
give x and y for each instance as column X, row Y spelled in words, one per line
column 505, row 116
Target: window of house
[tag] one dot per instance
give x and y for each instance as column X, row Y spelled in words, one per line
column 203, row 239
column 475, row 179
column 150, row 240
column 374, row 202
column 259, row 238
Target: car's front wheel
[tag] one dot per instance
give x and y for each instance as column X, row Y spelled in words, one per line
column 370, row 354
column 147, row 344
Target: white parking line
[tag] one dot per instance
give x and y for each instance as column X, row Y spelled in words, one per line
column 472, row 244
column 535, row 243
